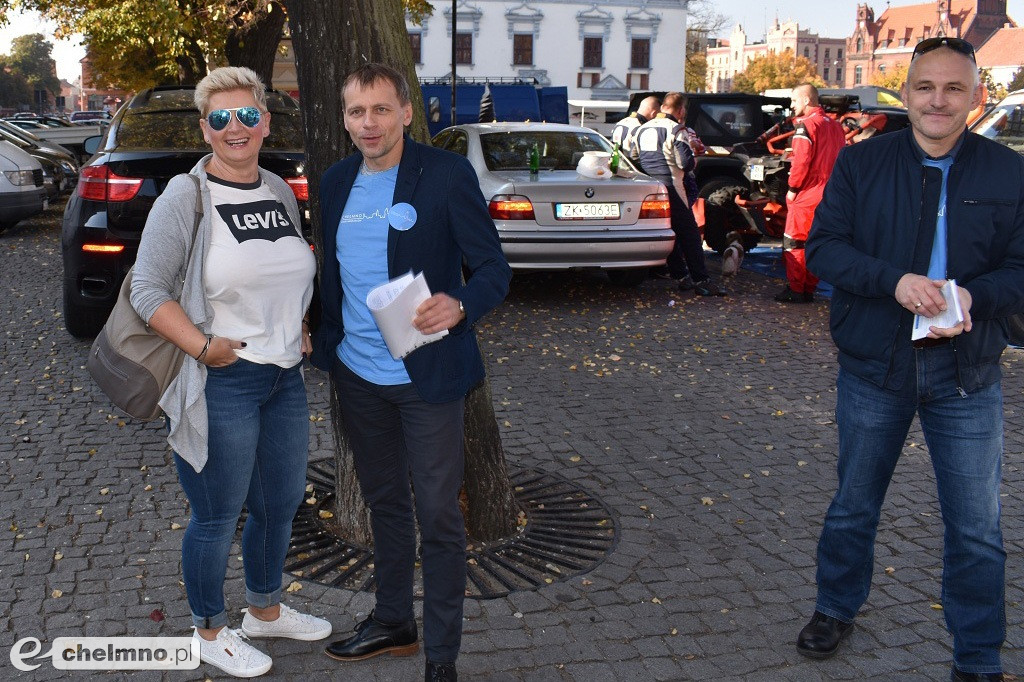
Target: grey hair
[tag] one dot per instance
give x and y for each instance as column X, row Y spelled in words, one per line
column 228, row 78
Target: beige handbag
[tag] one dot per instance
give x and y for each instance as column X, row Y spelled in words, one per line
column 130, row 363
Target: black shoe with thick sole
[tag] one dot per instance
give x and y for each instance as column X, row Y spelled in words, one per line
column 787, row 295
column 821, row 637
column 441, row 672
column 374, row 638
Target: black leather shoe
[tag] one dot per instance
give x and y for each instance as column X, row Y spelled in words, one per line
column 374, row 638
column 820, row 638
column 441, row 672
column 960, row 676
column 787, row 295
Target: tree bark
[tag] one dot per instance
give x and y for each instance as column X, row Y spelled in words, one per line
column 330, row 40
column 254, row 42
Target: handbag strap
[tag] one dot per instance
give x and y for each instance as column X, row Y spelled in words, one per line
column 195, row 227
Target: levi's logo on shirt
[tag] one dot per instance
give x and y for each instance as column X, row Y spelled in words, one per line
column 265, row 219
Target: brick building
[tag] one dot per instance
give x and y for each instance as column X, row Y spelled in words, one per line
column 877, row 45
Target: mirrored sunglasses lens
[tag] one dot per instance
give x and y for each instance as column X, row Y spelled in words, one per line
column 249, row 116
column 219, row 119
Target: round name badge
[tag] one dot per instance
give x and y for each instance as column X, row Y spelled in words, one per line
column 402, row 216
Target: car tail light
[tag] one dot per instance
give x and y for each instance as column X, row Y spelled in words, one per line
column 103, row 248
column 99, row 183
column 510, row 207
column 300, row 187
column 655, row 206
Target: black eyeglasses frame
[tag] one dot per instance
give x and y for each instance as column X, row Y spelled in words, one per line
column 958, row 45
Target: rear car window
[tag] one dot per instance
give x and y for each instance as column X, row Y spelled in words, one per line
column 1004, row 124
column 179, row 129
column 559, row 150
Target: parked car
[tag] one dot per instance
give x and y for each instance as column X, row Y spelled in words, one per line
column 60, row 171
column 1004, row 122
column 89, row 117
column 152, row 138
column 557, row 219
column 45, row 119
column 21, row 186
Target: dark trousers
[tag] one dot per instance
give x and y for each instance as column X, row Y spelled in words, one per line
column 688, row 253
column 395, row 435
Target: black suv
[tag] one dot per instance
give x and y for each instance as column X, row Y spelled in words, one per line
column 152, row 138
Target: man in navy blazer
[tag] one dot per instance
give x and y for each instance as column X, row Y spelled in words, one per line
column 399, row 206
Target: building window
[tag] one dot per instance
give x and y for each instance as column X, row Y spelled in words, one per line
column 828, row 53
column 839, row 53
column 415, row 42
column 463, row 48
column 522, row 49
column 825, row 74
column 839, row 75
column 641, row 54
column 857, row 75
column 592, row 52
column 881, row 69
column 807, row 53
column 860, row 45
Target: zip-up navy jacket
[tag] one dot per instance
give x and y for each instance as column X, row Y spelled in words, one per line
column 876, row 223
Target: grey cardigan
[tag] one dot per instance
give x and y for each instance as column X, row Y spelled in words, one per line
column 157, row 278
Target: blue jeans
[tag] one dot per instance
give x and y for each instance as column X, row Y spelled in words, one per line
column 395, row 437
column 965, row 441
column 258, row 447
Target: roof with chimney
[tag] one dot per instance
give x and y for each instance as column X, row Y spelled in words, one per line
column 1004, row 48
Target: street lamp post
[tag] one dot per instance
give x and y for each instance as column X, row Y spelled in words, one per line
column 455, row 26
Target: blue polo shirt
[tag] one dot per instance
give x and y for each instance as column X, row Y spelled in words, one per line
column 362, row 250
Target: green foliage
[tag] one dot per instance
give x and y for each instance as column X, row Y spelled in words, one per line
column 14, row 89
column 30, row 58
column 1017, row 82
column 776, row 70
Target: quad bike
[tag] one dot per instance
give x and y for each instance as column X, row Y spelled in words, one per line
column 734, row 218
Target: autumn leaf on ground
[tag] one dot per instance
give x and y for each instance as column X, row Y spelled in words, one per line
column 295, row 586
column 707, row 501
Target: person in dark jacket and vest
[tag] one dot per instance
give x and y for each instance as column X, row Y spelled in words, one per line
column 902, row 214
column 816, row 144
column 624, row 132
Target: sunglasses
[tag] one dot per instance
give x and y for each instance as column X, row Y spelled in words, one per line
column 218, row 119
column 956, row 44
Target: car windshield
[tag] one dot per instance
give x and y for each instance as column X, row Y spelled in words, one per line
column 179, row 129
column 1004, row 124
column 559, row 149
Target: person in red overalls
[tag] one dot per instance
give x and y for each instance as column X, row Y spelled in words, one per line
column 816, row 144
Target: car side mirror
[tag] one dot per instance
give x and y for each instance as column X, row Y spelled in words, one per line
column 91, row 144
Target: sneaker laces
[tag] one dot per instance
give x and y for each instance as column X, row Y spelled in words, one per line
column 242, row 651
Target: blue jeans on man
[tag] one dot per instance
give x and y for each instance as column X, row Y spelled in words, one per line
column 964, row 438
column 258, row 448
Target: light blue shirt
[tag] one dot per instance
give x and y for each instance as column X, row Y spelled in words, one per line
column 937, row 262
column 362, row 249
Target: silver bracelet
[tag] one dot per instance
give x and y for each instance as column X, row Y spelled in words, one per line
column 206, row 347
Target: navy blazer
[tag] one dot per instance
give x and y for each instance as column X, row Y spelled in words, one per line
column 453, row 227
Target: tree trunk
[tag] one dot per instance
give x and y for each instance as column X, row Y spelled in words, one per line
column 253, row 42
column 330, row 40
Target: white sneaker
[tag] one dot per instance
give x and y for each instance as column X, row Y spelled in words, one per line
column 229, row 653
column 290, row 624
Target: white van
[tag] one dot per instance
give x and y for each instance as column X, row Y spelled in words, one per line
column 597, row 114
column 21, row 186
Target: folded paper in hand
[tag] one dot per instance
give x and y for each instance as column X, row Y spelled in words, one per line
column 950, row 317
column 393, row 306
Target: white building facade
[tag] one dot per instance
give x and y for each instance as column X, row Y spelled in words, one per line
column 598, row 50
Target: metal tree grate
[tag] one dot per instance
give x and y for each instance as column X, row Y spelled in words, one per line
column 568, row 531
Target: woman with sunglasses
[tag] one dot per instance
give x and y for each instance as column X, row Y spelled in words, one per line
column 237, row 414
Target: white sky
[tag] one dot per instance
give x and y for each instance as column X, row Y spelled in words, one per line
column 66, row 53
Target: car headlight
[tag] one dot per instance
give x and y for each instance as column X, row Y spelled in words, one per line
column 20, row 177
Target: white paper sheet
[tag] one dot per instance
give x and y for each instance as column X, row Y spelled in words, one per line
column 950, row 317
column 393, row 305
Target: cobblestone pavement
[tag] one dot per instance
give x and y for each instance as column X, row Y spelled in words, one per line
column 706, row 425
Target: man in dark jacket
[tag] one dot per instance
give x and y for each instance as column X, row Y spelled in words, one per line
column 901, row 214
column 399, row 206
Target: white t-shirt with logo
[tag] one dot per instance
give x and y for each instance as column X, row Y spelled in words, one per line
column 258, row 273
